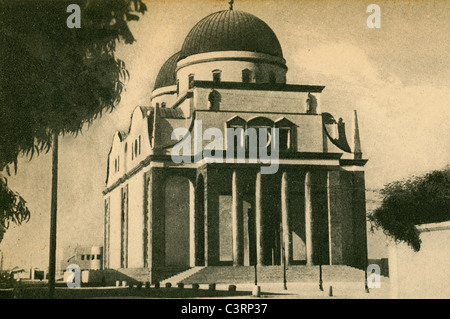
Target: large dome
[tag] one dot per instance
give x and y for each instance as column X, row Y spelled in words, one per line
column 231, row 30
column 167, row 74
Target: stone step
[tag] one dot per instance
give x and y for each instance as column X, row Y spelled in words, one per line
column 245, row 274
column 174, row 280
column 135, row 274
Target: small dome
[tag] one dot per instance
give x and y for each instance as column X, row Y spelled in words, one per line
column 167, row 74
column 231, row 30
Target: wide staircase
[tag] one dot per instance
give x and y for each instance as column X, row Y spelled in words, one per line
column 181, row 276
column 272, row 274
column 142, row 275
column 132, row 275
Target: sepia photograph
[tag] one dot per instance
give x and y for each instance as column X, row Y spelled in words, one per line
column 224, row 154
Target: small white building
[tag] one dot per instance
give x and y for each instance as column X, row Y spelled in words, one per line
column 422, row 274
column 86, row 257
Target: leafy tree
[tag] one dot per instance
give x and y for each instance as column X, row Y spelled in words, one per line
column 54, row 79
column 418, row 200
column 12, row 207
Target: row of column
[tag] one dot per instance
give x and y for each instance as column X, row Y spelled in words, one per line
column 238, row 220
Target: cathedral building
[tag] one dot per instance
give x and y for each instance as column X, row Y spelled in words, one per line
column 164, row 216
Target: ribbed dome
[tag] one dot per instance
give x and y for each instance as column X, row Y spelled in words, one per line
column 167, row 75
column 231, row 30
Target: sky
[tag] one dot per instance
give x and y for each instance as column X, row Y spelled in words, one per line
column 397, row 77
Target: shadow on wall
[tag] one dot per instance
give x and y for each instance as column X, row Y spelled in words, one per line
column 384, row 265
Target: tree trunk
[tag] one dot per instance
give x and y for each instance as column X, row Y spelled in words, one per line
column 54, row 205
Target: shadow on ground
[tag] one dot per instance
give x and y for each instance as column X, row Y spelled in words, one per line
column 82, row 293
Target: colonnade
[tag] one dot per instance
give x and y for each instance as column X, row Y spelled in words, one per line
column 238, row 220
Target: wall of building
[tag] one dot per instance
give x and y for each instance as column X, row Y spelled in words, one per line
column 177, row 223
column 131, row 149
column 116, row 157
column 115, row 228
column 165, row 95
column 256, row 100
column 136, row 220
column 423, row 274
column 347, row 218
column 309, row 132
column 138, row 131
column 166, row 126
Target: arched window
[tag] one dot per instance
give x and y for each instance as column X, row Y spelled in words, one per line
column 262, row 125
column 246, row 76
column 163, row 105
column 135, row 148
column 191, row 80
column 286, row 134
column 236, row 135
column 217, row 74
column 157, row 104
column 139, row 145
column 178, row 86
column 125, row 156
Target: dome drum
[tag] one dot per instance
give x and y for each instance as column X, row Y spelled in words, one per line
column 231, row 69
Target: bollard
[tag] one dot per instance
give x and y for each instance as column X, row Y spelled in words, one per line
column 168, row 285
column 320, row 278
column 212, row 287
column 139, row 285
column 147, row 285
column 117, row 283
column 180, row 285
column 157, row 285
column 232, row 288
column 195, row 286
column 366, row 285
column 256, row 292
column 131, row 285
column 331, row 291
column 124, row 283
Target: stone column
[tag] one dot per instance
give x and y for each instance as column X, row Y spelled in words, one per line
column 285, row 217
column 335, row 218
column 259, row 221
column 157, row 228
column 212, row 241
column 193, row 237
column 308, row 221
column 237, row 222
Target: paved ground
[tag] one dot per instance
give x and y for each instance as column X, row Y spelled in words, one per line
column 340, row 290
column 345, row 290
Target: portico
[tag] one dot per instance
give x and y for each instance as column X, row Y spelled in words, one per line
column 234, row 215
